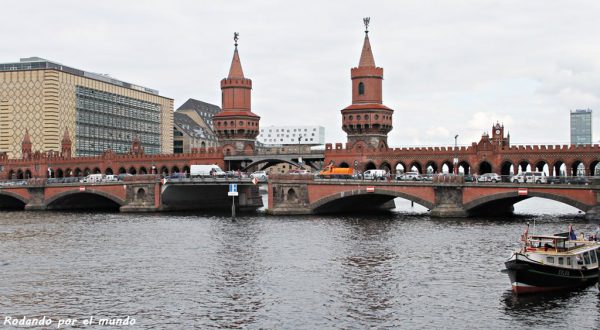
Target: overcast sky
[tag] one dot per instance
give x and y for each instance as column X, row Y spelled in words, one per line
column 450, row 67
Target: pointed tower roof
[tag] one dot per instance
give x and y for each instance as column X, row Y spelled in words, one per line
column 26, row 138
column 366, row 57
column 235, row 71
column 66, row 136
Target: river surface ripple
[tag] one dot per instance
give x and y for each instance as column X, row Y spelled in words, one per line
column 182, row 270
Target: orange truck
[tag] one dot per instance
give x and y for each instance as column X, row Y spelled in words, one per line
column 331, row 172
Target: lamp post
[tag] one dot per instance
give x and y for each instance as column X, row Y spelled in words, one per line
column 456, row 154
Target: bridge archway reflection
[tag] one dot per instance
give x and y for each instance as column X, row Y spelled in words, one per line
column 361, row 201
column 503, row 203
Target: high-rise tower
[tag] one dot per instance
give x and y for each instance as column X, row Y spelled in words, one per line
column 367, row 121
column 236, row 126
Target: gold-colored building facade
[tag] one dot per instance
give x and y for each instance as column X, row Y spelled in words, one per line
column 44, row 103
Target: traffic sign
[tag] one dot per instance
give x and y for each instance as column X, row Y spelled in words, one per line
column 232, row 189
column 255, row 180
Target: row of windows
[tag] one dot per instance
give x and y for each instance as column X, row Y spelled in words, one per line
column 93, row 147
column 232, row 123
column 287, row 136
column 112, row 134
column 281, row 140
column 129, row 102
column 366, row 117
column 102, row 120
column 117, row 110
column 288, row 130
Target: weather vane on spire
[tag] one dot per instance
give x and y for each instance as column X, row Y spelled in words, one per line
column 366, row 20
column 236, row 36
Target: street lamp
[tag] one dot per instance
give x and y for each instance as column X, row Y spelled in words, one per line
column 456, row 154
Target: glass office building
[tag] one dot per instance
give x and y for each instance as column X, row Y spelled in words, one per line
column 581, row 126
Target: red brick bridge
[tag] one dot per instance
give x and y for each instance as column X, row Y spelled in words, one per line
column 142, row 193
column 299, row 194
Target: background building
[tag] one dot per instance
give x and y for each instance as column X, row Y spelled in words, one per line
column 283, row 135
column 581, row 126
column 47, row 99
column 189, row 134
column 204, row 110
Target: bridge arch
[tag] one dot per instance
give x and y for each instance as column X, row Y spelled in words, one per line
column 90, row 198
column 594, row 168
column 577, row 168
column 416, row 167
column 465, row 166
column 385, row 166
column 513, row 197
column 347, row 200
column 77, row 172
column 524, row 166
column 132, row 171
column 270, row 162
column 560, row 168
column 344, row 165
column 143, row 170
column 370, row 166
column 10, row 200
column 507, row 168
column 400, row 167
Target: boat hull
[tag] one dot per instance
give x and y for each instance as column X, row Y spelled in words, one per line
column 528, row 276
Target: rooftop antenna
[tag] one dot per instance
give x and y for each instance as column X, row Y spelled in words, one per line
column 236, row 36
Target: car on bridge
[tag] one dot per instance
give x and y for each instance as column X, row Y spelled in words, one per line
column 489, row 177
column 529, row 177
column 260, row 175
column 374, row 175
column 409, row 176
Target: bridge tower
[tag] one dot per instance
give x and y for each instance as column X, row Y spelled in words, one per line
column 236, row 125
column 26, row 146
column 65, row 145
column 367, row 121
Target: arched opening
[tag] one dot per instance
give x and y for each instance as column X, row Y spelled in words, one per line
column 143, row 170
column 68, row 173
column 540, row 165
column 186, row 170
column 77, row 172
column 416, row 167
column 385, row 166
column 122, row 170
column 108, row 171
column 82, row 201
column 59, row 173
column 447, row 167
column 361, row 88
column 594, row 168
column 11, row 174
column 400, row 168
column 524, row 166
column 132, row 171
column 464, row 168
column 97, row 171
column 175, row 169
column 164, row 171
column 344, row 165
column 503, row 203
column 431, row 167
column 370, row 166
column 291, row 196
column 202, row 145
column 86, row 171
column 8, row 202
column 577, row 168
column 507, row 169
column 27, row 174
column 560, row 169
column 140, row 195
column 485, row 167
column 20, row 174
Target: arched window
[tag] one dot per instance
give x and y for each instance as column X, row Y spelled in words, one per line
column 361, row 88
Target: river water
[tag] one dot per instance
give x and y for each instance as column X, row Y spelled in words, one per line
column 183, row 270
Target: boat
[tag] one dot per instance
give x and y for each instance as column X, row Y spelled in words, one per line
column 553, row 262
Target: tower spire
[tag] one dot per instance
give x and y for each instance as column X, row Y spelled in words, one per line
column 235, row 71
column 366, row 56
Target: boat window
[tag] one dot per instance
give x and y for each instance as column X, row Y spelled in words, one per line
column 593, row 255
column 561, row 260
column 586, row 258
column 568, row 261
column 550, row 260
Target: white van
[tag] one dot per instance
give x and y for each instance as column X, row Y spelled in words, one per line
column 529, row 177
column 374, row 175
column 92, row 178
column 206, row 171
column 111, row 178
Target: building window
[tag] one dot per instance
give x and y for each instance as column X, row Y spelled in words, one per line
column 361, row 88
